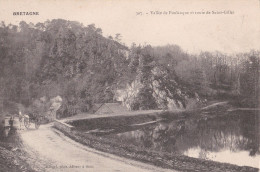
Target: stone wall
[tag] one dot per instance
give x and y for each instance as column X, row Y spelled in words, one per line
column 63, row 126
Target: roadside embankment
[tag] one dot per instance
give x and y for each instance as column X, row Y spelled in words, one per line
column 12, row 156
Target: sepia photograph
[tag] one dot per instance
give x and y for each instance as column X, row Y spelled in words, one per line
column 129, row 85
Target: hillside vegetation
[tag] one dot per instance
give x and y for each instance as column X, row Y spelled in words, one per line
column 39, row 62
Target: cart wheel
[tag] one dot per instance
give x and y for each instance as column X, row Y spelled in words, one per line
column 37, row 122
column 26, row 122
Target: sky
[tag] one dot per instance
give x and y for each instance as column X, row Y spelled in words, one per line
column 227, row 33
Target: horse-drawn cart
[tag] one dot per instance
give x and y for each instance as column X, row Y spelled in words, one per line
column 32, row 118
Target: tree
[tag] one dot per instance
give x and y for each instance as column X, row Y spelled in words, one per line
column 118, row 37
column 250, row 81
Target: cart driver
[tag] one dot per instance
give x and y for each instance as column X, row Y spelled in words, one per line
column 20, row 119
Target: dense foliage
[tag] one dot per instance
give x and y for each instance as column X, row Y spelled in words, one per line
column 59, row 57
column 65, row 58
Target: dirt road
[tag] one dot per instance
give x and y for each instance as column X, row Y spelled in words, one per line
column 51, row 150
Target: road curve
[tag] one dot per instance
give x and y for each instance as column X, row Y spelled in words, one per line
column 56, row 152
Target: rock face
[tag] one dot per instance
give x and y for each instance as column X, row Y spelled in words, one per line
column 162, row 88
column 55, row 104
column 129, row 94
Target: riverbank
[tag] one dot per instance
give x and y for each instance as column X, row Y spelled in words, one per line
column 161, row 159
column 164, row 160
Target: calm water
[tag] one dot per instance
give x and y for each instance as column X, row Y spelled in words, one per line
column 233, row 138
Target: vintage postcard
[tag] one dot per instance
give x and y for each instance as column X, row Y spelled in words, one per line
column 129, row 85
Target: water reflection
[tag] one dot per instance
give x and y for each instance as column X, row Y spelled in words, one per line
column 225, row 137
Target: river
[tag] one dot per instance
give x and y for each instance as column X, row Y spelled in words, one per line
column 232, row 138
